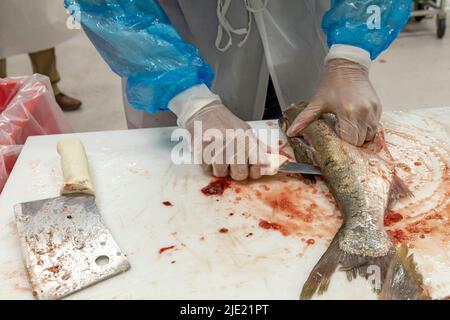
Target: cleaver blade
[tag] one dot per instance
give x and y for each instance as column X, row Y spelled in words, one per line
column 66, row 246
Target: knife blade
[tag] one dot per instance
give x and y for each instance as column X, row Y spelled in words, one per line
column 294, row 167
column 279, row 163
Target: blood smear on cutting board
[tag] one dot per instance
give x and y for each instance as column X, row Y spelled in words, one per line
column 166, row 248
column 167, row 204
column 216, row 187
column 271, row 225
column 391, row 218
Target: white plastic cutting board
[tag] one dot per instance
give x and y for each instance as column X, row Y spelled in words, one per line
column 133, row 175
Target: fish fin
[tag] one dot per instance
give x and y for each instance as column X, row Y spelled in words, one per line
column 319, row 278
column 400, row 189
column 403, row 281
column 370, row 268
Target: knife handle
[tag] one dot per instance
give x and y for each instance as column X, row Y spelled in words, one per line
column 275, row 161
column 74, row 163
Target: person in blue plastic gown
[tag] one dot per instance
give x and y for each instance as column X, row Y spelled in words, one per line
column 211, row 60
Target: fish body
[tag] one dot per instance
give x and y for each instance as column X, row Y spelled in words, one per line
column 364, row 183
column 361, row 180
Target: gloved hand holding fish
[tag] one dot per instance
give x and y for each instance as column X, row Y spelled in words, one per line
column 346, row 91
column 364, row 182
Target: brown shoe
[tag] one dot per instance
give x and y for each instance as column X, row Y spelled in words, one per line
column 67, row 103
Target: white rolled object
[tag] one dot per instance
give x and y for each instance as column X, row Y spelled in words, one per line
column 74, row 163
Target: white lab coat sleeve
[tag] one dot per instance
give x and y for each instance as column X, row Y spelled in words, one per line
column 189, row 102
column 352, row 53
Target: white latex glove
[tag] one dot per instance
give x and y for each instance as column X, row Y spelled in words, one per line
column 237, row 163
column 346, row 91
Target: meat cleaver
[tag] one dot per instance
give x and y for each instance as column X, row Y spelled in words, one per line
column 64, row 241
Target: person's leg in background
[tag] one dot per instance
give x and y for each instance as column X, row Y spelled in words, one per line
column 2, row 68
column 44, row 62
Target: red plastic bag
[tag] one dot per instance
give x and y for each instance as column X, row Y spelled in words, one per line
column 28, row 108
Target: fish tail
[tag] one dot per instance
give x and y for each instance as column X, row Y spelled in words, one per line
column 319, row 278
column 371, row 268
column 403, row 281
column 374, row 269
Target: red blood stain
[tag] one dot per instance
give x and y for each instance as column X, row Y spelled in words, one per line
column 404, row 167
column 167, row 204
column 54, row 269
column 237, row 190
column 310, row 241
column 271, row 225
column 434, row 216
column 392, row 217
column 289, row 206
column 166, row 248
column 427, row 230
column 397, row 236
column 413, row 228
column 283, row 202
column 249, row 235
column 231, row 214
column 223, row 230
column 202, row 238
column 216, row 187
column 417, row 163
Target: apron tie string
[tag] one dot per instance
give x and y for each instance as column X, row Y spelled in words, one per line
column 225, row 26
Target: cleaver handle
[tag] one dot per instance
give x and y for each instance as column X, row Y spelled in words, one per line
column 75, row 168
